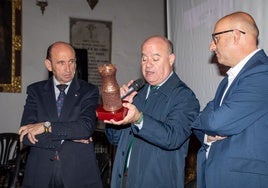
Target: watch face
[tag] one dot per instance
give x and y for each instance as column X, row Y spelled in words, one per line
column 47, row 124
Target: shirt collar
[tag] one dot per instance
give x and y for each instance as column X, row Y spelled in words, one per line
column 233, row 72
column 165, row 79
column 56, row 82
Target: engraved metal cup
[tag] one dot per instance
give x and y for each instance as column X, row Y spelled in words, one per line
column 110, row 89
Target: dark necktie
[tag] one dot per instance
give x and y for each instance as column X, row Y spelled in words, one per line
column 152, row 89
column 61, row 97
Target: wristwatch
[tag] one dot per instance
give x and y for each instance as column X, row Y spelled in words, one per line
column 47, row 125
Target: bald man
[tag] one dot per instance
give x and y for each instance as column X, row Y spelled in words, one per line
column 152, row 140
column 233, row 127
column 61, row 155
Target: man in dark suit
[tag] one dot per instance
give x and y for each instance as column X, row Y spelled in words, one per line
column 61, row 153
column 233, row 127
column 152, row 140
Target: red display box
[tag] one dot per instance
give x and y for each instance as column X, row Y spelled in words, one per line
column 108, row 115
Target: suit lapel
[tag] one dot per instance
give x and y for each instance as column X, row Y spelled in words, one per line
column 49, row 99
column 220, row 91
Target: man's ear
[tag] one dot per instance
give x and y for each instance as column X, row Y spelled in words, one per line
column 48, row 65
column 171, row 59
column 237, row 36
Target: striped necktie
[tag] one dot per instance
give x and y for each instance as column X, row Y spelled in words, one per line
column 61, row 97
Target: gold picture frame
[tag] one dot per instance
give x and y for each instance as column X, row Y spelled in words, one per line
column 10, row 45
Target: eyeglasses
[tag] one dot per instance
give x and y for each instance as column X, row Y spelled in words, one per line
column 215, row 39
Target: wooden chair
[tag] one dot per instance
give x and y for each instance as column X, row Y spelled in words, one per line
column 9, row 159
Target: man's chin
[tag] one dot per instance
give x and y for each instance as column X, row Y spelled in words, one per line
column 67, row 79
column 150, row 81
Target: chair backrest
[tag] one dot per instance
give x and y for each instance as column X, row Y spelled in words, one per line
column 9, row 157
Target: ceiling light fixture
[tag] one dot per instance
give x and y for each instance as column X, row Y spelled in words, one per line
column 92, row 3
column 42, row 4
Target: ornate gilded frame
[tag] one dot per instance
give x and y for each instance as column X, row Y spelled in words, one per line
column 10, row 67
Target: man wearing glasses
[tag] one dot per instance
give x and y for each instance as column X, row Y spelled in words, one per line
column 233, row 127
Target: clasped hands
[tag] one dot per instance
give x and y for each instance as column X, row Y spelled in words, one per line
column 32, row 130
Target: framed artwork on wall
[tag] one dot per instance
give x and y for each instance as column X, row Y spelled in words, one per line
column 96, row 38
column 10, row 46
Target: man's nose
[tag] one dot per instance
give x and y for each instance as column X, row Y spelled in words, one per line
column 68, row 67
column 149, row 63
column 212, row 46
